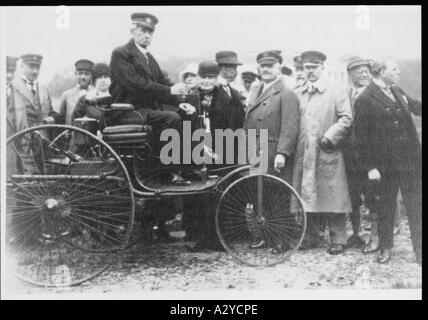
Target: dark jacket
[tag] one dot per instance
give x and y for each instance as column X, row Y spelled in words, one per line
column 133, row 81
column 385, row 133
column 89, row 108
column 276, row 109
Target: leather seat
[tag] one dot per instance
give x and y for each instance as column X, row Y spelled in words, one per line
column 127, row 134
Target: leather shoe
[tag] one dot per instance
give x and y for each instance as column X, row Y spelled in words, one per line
column 336, row 249
column 371, row 246
column 354, row 241
column 385, row 256
column 258, row 244
column 177, row 180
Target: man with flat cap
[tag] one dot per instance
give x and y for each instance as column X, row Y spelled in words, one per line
column 138, row 79
column 299, row 73
column 359, row 77
column 32, row 101
column 274, row 107
column 319, row 174
column 84, row 70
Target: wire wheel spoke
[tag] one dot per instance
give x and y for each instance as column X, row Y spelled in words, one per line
column 69, row 205
column 255, row 223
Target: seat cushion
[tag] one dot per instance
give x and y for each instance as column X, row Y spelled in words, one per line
column 138, row 136
column 127, row 128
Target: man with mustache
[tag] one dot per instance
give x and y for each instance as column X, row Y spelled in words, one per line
column 319, row 174
column 274, row 107
column 32, row 102
column 359, row 77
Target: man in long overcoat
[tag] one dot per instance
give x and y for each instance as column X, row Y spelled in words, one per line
column 319, row 174
column 29, row 105
column 274, row 107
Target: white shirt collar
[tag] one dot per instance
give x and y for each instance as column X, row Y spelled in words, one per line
column 142, row 50
column 28, row 81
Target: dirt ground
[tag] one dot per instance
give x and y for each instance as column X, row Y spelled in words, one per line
column 172, row 267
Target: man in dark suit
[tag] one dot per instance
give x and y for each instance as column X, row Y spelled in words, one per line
column 274, row 107
column 138, row 79
column 390, row 153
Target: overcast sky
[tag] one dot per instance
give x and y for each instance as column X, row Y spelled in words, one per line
column 189, row 31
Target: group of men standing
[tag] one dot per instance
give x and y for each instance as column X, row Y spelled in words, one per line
column 334, row 146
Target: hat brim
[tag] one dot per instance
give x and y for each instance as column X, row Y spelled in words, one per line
column 208, row 74
column 232, row 62
column 268, row 60
column 312, row 63
column 143, row 24
column 358, row 65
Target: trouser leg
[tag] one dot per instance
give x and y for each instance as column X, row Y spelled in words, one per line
column 355, row 190
column 387, row 191
column 411, row 190
column 312, row 227
column 337, row 227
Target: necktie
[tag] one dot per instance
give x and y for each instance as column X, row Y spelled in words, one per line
column 389, row 93
column 33, row 89
column 227, row 89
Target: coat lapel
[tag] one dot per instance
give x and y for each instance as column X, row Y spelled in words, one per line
column 274, row 89
column 399, row 97
column 139, row 57
column 22, row 88
column 377, row 93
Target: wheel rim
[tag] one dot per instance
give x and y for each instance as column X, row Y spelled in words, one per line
column 70, row 204
column 256, row 208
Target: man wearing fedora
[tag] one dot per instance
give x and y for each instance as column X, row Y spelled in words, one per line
column 274, row 107
column 359, row 77
column 31, row 100
column 319, row 174
column 137, row 79
column 69, row 98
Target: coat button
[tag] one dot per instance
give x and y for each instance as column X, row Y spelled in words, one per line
column 388, row 109
column 396, row 122
column 260, row 119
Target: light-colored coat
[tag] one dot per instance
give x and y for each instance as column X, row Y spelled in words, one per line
column 68, row 102
column 320, row 176
column 28, row 110
column 276, row 109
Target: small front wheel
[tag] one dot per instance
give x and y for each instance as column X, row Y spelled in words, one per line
column 255, row 222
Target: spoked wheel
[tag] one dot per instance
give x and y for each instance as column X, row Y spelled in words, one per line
column 70, row 205
column 254, row 221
